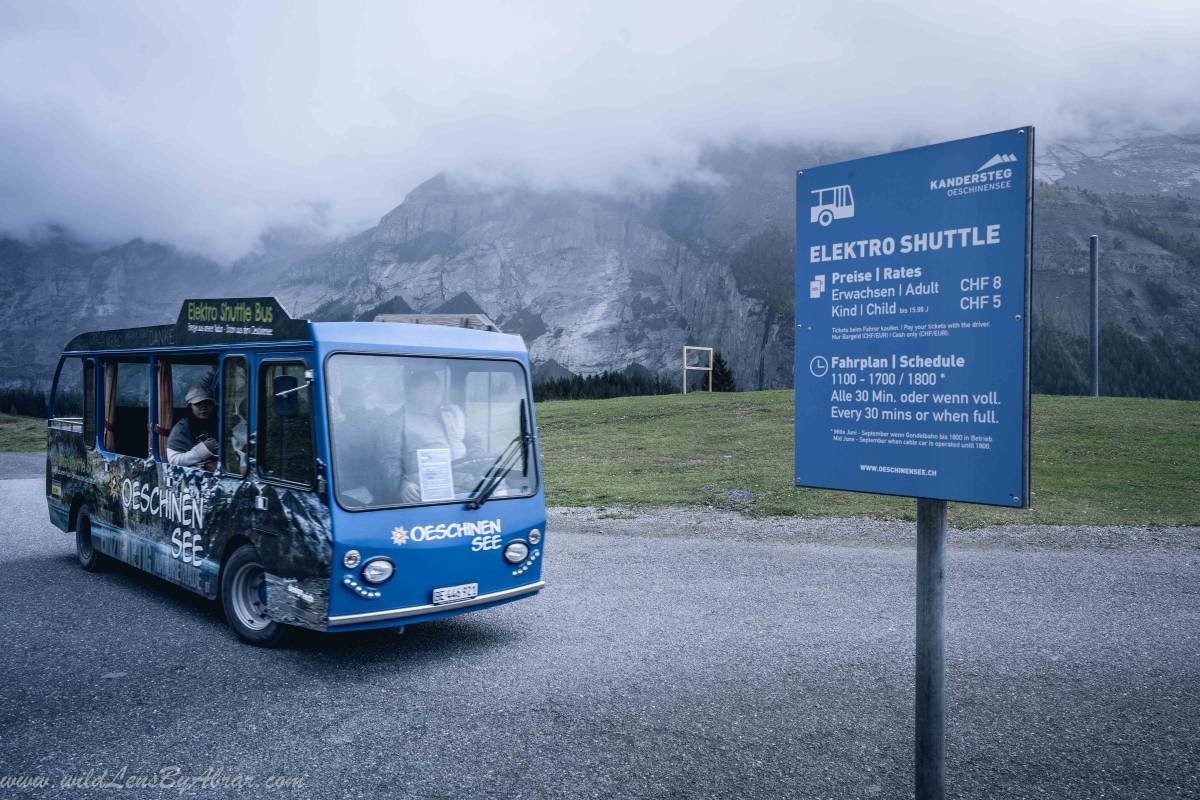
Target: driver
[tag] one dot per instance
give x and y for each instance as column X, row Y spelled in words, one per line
column 193, row 439
column 430, row 423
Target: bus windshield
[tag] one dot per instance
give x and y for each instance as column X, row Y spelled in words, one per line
column 410, row 430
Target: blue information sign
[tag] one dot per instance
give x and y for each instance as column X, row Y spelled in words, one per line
column 912, row 321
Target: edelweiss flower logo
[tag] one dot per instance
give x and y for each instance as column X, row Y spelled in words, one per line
column 399, row 536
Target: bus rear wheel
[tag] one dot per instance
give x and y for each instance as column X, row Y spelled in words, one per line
column 244, row 599
column 90, row 559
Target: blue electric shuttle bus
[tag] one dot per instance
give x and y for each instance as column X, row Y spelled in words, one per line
column 334, row 476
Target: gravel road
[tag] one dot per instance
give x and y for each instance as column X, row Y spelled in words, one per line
column 22, row 465
column 675, row 654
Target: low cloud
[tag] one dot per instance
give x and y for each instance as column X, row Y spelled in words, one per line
column 206, row 124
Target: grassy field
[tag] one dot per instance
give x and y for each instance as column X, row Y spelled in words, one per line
column 22, row 434
column 1109, row 461
column 1095, row 461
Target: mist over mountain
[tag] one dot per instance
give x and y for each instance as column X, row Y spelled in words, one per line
column 611, row 181
column 204, row 125
column 600, row 281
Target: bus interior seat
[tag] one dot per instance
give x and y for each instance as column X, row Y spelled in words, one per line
column 130, row 427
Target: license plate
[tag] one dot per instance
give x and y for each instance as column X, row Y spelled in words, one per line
column 453, row 594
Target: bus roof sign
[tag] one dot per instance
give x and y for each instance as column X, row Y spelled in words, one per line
column 205, row 321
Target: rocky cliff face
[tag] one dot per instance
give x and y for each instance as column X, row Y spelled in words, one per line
column 591, row 282
column 55, row 287
column 1149, row 261
column 600, row 282
column 597, row 283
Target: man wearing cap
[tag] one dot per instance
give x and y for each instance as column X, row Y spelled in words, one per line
column 193, row 440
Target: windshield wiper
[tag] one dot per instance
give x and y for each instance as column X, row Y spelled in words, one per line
column 504, row 464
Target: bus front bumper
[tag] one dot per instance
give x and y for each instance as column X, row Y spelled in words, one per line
column 430, row 608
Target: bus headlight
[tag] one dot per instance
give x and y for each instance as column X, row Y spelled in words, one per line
column 535, row 536
column 377, row 570
column 516, row 552
column 351, row 559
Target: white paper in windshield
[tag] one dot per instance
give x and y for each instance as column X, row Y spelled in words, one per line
column 437, row 481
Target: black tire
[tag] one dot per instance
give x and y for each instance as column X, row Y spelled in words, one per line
column 90, row 559
column 243, row 601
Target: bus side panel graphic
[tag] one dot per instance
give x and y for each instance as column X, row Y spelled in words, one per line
column 177, row 523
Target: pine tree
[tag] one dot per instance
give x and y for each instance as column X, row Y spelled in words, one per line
column 722, row 378
column 602, row 386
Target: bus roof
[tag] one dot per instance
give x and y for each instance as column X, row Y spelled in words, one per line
column 245, row 321
column 397, row 337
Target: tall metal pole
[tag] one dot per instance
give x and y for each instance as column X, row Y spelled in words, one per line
column 1094, row 248
column 930, row 766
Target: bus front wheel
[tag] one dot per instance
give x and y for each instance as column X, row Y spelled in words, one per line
column 825, row 218
column 244, row 599
column 85, row 546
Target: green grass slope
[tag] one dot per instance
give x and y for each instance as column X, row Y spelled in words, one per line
column 22, row 434
column 1110, row 461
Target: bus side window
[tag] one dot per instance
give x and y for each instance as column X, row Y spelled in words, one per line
column 127, row 407
column 235, row 416
column 175, row 378
column 285, row 440
column 68, row 404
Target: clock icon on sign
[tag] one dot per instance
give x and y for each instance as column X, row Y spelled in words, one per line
column 818, row 366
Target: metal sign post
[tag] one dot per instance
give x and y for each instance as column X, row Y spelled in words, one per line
column 912, row 352
column 1094, row 260
column 930, row 765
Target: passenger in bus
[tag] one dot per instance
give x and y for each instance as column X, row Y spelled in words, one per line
column 367, row 446
column 430, row 423
column 193, row 439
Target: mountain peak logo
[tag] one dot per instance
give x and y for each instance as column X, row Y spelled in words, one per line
column 999, row 158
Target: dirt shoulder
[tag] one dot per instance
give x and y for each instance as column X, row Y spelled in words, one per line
column 861, row 532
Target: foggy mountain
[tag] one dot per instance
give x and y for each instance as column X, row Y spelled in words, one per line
column 603, row 281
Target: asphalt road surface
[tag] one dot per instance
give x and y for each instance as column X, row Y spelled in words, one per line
column 653, row 666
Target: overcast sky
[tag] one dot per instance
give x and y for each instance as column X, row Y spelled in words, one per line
column 202, row 123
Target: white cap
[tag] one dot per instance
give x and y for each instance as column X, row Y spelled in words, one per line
column 197, row 394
